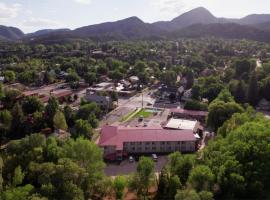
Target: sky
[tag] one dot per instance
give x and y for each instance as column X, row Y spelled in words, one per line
column 33, row 15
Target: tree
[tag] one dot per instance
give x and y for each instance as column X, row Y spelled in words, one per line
column 10, row 76
column 265, row 88
column 119, row 184
column 252, row 94
column 31, row 105
column 5, row 123
column 240, row 92
column 242, row 66
column 201, row 178
column 86, row 110
column 18, row 176
column 143, row 177
column 18, row 193
column 17, row 119
column 181, row 165
column 219, row 112
column 59, row 121
column 50, row 110
column 83, row 128
column 10, row 98
column 169, row 78
column 187, row 195
column 90, row 78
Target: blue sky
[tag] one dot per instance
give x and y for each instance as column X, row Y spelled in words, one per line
column 32, row 15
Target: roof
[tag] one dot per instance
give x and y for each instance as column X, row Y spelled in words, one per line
column 61, row 93
column 189, row 112
column 117, row 135
column 181, row 124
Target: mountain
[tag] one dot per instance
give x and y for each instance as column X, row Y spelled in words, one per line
column 255, row 19
column 130, row 28
column 195, row 23
column 10, row 33
column 196, row 16
column 223, row 30
column 46, row 31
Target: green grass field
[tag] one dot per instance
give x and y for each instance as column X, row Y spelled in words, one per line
column 143, row 113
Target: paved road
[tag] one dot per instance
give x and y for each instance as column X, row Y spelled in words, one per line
column 127, row 168
column 127, row 105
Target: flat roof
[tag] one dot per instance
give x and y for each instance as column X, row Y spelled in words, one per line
column 181, row 124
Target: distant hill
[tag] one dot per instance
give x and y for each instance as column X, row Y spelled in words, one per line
column 10, row 33
column 225, row 30
column 46, row 31
column 255, row 19
column 196, row 16
column 198, row 22
column 130, row 28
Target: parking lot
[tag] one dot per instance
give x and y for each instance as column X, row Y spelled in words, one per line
column 126, row 167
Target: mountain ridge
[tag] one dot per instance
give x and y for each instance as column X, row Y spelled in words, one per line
column 134, row 28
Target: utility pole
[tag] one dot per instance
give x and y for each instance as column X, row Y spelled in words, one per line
column 142, row 95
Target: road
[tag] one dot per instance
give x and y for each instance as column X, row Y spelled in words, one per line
column 127, row 105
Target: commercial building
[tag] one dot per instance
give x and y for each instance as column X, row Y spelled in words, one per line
column 183, row 124
column 103, row 101
column 120, row 141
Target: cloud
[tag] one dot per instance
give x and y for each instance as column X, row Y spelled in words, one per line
column 83, row 1
column 173, row 7
column 41, row 23
column 9, row 11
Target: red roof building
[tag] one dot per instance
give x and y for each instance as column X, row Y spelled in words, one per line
column 118, row 141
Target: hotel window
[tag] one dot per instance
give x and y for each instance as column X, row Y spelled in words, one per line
column 154, row 148
column 133, row 148
column 147, row 143
column 139, row 143
column 153, row 143
column 183, row 142
column 163, row 143
column 168, row 143
column 132, row 143
column 178, row 142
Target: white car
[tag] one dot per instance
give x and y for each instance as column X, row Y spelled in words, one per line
column 154, row 157
column 131, row 159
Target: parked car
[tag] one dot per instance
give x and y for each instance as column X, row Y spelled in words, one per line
column 131, row 159
column 154, row 157
column 140, row 118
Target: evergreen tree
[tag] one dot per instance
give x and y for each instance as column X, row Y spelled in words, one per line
column 252, row 95
column 50, row 110
column 60, row 121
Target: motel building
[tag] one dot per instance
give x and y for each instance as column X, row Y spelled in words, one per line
column 118, row 142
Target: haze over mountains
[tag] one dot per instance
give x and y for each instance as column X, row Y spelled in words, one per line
column 198, row 22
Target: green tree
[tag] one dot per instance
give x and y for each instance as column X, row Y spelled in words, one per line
column 119, row 184
column 50, row 110
column 187, row 195
column 83, row 128
column 253, row 89
column 10, row 76
column 59, row 121
column 31, row 105
column 143, row 177
column 18, row 176
column 219, row 112
column 5, row 123
column 201, row 178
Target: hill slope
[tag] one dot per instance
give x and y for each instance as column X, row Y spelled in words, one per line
column 10, row 33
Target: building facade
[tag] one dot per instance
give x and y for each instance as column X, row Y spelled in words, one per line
column 120, row 141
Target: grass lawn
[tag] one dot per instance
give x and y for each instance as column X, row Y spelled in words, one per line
column 126, row 117
column 143, row 113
